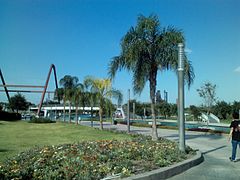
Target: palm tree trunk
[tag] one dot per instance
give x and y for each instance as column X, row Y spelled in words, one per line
column 153, row 83
column 100, row 116
column 154, row 123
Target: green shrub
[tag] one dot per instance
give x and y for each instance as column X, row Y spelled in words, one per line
column 41, row 120
column 92, row 159
column 7, row 116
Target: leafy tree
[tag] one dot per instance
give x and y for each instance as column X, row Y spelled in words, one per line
column 139, row 108
column 1, row 107
column 236, row 106
column 18, row 102
column 164, row 109
column 50, row 102
column 195, row 111
column 222, row 109
column 103, row 90
column 174, row 110
column 147, row 49
column 208, row 93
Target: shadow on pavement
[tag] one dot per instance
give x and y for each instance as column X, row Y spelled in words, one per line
column 215, row 149
column 188, row 136
column 139, row 131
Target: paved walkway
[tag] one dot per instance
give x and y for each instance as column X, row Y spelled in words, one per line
column 215, row 148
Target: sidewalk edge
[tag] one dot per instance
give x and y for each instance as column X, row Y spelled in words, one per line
column 167, row 172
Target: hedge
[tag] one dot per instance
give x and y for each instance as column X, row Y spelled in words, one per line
column 7, row 116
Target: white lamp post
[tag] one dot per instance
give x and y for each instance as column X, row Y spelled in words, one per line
column 181, row 98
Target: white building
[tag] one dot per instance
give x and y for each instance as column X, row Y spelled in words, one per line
column 58, row 110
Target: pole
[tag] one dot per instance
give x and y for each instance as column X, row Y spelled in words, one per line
column 134, row 111
column 181, row 98
column 5, row 88
column 144, row 113
column 128, row 113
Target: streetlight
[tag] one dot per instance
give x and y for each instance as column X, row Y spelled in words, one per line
column 181, row 98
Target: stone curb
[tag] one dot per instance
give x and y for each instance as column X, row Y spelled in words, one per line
column 167, row 172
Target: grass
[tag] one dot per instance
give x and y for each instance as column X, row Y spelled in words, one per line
column 20, row 136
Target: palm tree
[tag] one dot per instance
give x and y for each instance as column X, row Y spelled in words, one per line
column 92, row 100
column 103, row 90
column 59, row 93
column 109, row 108
column 78, row 94
column 147, row 49
column 69, row 83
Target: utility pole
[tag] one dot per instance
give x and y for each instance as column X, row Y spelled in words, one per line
column 128, row 113
column 181, row 98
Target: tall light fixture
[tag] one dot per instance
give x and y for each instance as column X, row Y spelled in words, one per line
column 181, row 98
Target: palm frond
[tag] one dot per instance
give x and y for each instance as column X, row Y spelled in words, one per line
column 189, row 72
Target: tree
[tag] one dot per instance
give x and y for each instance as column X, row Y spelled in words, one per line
column 195, row 111
column 108, row 108
column 103, row 90
column 147, row 49
column 174, row 110
column 164, row 108
column 18, row 102
column 59, row 94
column 1, row 107
column 68, row 83
column 236, row 106
column 208, row 93
column 92, row 101
column 222, row 109
column 78, row 95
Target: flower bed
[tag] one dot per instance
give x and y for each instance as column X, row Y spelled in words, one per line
column 93, row 160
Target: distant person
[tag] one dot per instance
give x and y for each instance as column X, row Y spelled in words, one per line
column 234, row 135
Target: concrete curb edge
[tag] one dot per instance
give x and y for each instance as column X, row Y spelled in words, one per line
column 167, row 172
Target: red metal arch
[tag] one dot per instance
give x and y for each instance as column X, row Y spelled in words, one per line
column 52, row 67
column 46, row 85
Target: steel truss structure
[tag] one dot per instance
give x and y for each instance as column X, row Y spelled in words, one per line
column 44, row 91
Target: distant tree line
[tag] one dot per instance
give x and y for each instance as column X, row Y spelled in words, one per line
column 162, row 108
column 221, row 109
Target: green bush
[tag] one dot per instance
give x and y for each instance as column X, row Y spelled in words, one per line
column 7, row 116
column 93, row 159
column 41, row 120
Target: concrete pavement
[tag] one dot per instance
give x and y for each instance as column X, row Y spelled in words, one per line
column 215, row 148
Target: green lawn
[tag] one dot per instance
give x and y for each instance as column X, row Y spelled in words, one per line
column 19, row 136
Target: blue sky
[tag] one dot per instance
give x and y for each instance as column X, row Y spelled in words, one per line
column 81, row 36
